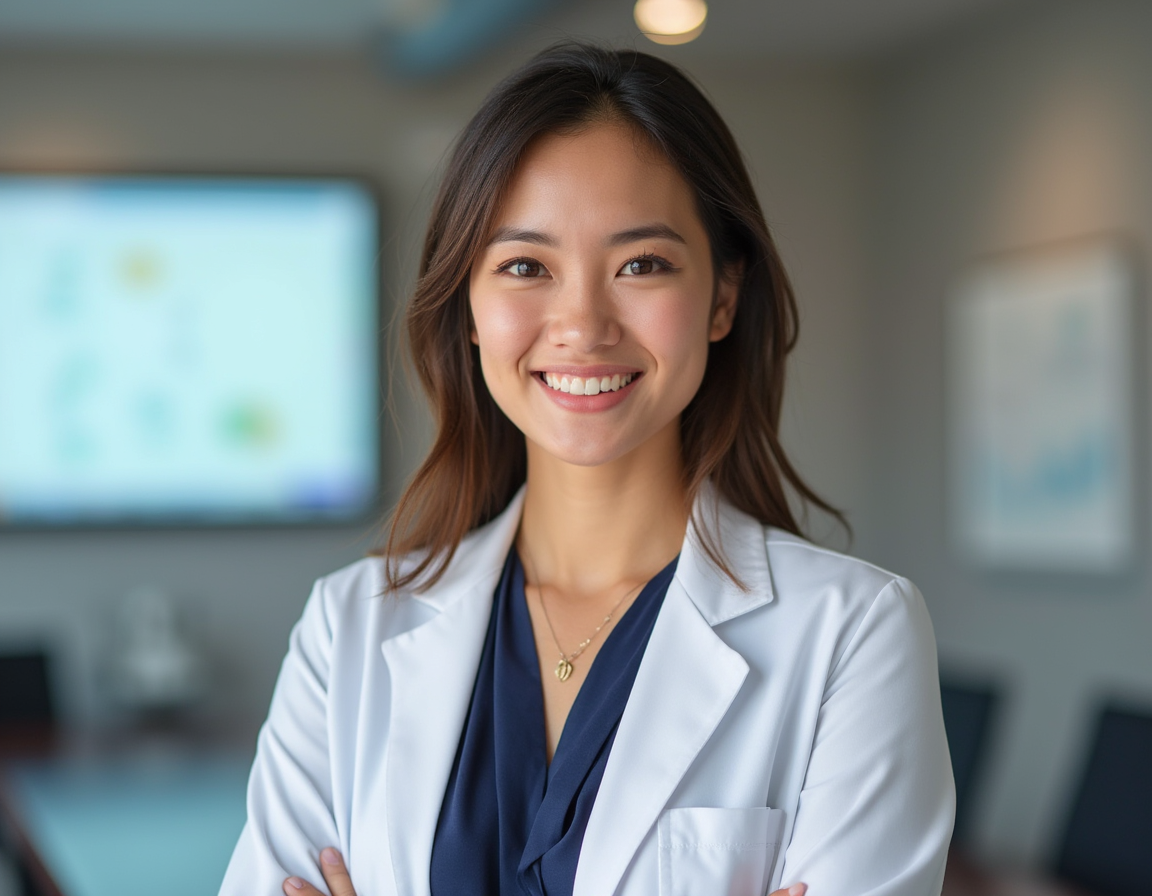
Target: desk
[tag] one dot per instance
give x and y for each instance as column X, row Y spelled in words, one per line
column 137, row 825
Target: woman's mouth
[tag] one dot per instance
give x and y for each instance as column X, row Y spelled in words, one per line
column 592, row 385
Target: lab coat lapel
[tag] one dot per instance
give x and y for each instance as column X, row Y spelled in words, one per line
column 433, row 670
column 684, row 687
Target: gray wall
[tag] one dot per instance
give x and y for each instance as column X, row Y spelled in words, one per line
column 803, row 131
column 1031, row 128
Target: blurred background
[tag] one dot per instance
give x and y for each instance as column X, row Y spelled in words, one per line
column 902, row 149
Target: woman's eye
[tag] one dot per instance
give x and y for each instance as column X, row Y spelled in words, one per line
column 638, row 267
column 524, row 268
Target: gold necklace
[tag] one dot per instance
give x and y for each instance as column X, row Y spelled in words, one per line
column 563, row 669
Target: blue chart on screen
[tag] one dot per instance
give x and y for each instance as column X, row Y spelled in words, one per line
column 187, row 349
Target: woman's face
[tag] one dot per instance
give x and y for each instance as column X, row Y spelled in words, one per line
column 595, row 298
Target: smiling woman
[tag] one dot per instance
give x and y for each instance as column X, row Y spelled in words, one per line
column 597, row 272
column 597, row 655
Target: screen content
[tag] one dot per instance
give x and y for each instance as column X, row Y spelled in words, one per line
column 191, row 350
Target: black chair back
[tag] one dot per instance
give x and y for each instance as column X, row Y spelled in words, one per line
column 968, row 714
column 1107, row 844
column 25, row 691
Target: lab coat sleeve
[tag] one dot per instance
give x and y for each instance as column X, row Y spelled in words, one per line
column 290, row 817
column 876, row 810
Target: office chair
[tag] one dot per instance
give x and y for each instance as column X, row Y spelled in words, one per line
column 968, row 715
column 26, row 701
column 27, row 723
column 1107, row 844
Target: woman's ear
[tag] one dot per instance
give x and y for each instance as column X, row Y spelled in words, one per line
column 725, row 300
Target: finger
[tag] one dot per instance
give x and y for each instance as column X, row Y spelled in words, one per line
column 794, row 890
column 335, row 874
column 297, row 886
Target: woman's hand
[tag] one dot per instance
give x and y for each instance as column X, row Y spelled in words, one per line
column 340, row 884
column 335, row 876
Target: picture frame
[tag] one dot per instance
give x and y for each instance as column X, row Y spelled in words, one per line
column 1041, row 384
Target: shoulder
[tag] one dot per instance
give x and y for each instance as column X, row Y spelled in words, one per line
column 798, row 565
column 844, row 597
column 366, row 579
column 479, row 556
column 344, row 599
column 358, row 594
column 359, row 579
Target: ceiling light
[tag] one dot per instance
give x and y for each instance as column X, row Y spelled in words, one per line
column 671, row 21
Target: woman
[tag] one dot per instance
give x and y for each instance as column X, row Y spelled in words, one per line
column 605, row 660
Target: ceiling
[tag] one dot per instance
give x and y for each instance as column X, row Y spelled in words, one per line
column 790, row 29
column 822, row 30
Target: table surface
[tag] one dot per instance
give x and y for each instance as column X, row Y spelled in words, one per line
column 131, row 825
column 142, row 823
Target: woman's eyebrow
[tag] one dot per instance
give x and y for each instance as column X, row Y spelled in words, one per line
column 621, row 238
column 521, row 235
column 644, row 232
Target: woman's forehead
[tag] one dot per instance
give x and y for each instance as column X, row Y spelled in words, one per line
column 604, row 175
column 608, row 140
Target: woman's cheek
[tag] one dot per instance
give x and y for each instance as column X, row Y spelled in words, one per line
column 505, row 334
column 505, row 330
column 678, row 335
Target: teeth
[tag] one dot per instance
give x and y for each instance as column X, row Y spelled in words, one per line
column 592, row 386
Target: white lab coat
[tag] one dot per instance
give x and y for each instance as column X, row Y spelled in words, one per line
column 789, row 732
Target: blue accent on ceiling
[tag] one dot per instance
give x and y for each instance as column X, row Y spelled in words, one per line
column 463, row 31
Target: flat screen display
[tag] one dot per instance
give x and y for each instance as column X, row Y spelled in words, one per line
column 187, row 350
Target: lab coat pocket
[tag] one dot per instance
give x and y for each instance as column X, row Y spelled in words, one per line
column 718, row 852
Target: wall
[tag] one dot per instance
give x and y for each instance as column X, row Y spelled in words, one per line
column 803, row 132
column 1026, row 129
column 806, row 136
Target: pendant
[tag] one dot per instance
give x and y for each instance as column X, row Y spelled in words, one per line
column 563, row 669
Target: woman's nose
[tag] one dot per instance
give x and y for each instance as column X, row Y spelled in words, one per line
column 584, row 317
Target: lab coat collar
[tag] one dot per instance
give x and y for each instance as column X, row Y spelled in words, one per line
column 686, row 682
column 741, row 540
column 481, row 557
column 688, row 679
column 433, row 669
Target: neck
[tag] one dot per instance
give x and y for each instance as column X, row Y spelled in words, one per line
column 586, row 530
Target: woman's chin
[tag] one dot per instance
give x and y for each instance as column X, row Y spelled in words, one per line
column 583, row 449
column 580, row 455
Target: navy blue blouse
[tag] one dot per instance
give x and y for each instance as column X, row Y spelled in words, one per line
column 511, row 824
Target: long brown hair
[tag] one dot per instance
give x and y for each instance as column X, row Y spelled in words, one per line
column 729, row 431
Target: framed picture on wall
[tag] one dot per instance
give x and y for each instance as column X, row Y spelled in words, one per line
column 1041, row 377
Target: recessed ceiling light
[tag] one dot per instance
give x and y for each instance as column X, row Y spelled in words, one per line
column 671, row 21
